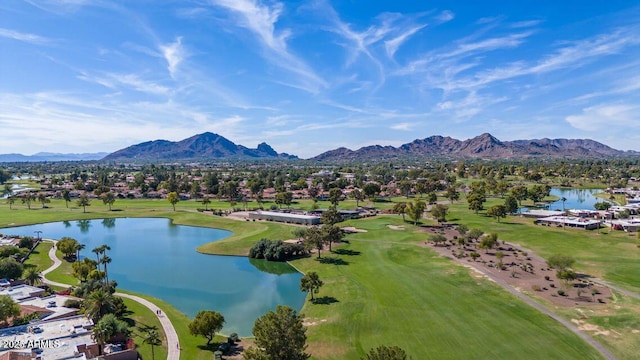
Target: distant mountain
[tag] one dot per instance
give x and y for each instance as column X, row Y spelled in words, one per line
column 198, row 147
column 482, row 146
column 47, row 156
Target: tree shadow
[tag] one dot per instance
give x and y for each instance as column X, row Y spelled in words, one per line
column 325, row 300
column 348, row 252
column 332, row 261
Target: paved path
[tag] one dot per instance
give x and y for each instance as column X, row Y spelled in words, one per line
column 173, row 344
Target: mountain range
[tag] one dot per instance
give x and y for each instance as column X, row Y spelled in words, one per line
column 213, row 146
column 484, row 146
column 202, row 146
column 47, row 156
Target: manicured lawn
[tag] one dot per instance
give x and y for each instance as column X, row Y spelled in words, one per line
column 408, row 296
column 64, row 272
column 39, row 258
column 143, row 317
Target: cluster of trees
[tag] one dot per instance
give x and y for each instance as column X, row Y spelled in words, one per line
column 11, row 266
column 275, row 250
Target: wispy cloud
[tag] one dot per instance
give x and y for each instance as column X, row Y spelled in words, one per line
column 174, row 54
column 113, row 81
column 445, row 16
column 404, row 126
column 525, row 24
column 605, row 116
column 26, row 37
column 393, row 44
column 59, row 7
column 261, row 20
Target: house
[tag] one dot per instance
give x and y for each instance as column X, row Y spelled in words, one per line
column 285, row 217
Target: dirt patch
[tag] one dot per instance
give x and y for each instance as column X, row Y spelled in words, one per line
column 520, row 269
column 395, row 227
column 236, row 351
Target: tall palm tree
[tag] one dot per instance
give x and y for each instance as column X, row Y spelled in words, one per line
column 97, row 251
column 104, row 261
column 100, row 333
column 79, row 247
column 563, row 200
column 11, row 200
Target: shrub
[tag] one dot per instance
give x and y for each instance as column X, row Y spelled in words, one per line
column 234, row 337
column 536, row 288
column 547, row 277
column 561, row 292
column 72, row 303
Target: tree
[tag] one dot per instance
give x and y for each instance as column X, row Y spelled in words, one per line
column 100, row 334
column 173, row 199
column 462, row 229
column 152, row 338
column 474, row 234
column 299, row 232
column 206, row 323
column 405, row 188
column 371, row 190
column 84, row 201
column 42, row 197
column 520, row 193
column 400, row 208
column 10, row 268
column 311, row 283
column 602, row 206
column 452, row 194
column 68, row 246
column 386, row 353
column 279, row 335
column 108, row 198
column 8, row 308
column 488, row 242
column 66, row 195
column 511, row 204
column 497, row 211
column 104, row 261
column 313, row 239
column 98, row 304
column 476, row 202
column 331, row 216
column 32, row 276
column 432, row 197
column 357, row 195
column 331, row 234
column 439, row 212
column 11, row 200
column 415, row 210
column 28, row 198
column 334, row 196
column 206, row 201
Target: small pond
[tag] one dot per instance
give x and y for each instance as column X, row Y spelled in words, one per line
column 155, row 257
column 581, row 199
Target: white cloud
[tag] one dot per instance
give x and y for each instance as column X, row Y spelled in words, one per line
column 26, row 37
column 445, row 16
column 606, row 116
column 174, row 54
column 392, row 45
column 405, row 126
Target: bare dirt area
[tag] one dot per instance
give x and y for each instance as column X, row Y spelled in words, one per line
column 236, row 350
column 520, row 269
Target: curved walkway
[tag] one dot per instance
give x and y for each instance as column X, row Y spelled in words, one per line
column 173, row 344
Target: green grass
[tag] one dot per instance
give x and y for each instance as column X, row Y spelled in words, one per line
column 143, row 317
column 408, row 296
column 39, row 258
column 393, row 292
column 192, row 347
column 63, row 273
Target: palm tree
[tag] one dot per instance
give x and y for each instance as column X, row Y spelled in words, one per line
column 206, row 201
column 97, row 251
column 79, row 248
column 66, row 195
column 98, row 304
column 563, row 200
column 100, row 334
column 311, row 283
column 104, row 261
column 32, row 276
column 11, row 200
column 151, row 337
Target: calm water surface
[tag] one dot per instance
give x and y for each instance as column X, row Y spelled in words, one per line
column 582, row 199
column 155, row 257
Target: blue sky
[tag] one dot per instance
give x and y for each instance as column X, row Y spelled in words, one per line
column 310, row 76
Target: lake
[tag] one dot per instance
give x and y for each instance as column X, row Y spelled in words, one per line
column 581, row 199
column 152, row 256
